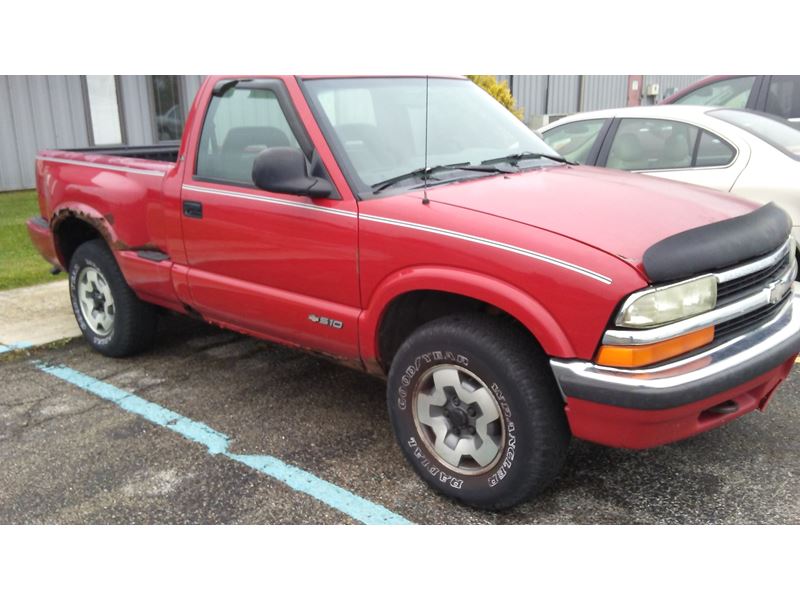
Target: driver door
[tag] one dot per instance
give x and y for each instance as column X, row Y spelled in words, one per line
column 276, row 265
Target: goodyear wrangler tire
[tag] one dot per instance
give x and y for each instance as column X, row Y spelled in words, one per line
column 111, row 317
column 476, row 410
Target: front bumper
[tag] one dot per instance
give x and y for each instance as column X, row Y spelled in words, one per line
column 639, row 408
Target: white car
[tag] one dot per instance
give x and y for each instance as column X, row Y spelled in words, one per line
column 752, row 155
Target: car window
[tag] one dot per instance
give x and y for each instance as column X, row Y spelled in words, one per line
column 731, row 93
column 773, row 130
column 574, row 141
column 238, row 126
column 713, row 151
column 649, row 144
column 783, row 96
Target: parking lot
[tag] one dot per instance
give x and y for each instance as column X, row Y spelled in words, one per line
column 309, row 441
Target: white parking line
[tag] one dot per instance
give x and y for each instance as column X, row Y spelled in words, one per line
column 302, row 481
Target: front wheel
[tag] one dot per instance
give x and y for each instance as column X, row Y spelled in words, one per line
column 111, row 317
column 476, row 410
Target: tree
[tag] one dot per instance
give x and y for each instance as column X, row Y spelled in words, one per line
column 500, row 91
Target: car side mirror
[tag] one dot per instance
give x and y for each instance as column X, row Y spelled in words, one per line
column 284, row 170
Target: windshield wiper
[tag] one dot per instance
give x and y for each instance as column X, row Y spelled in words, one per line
column 513, row 159
column 426, row 174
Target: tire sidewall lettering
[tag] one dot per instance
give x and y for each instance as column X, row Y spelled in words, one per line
column 511, row 438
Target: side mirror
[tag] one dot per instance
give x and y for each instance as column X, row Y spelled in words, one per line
column 283, row 170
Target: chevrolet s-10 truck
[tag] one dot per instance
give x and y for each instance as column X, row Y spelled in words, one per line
column 413, row 228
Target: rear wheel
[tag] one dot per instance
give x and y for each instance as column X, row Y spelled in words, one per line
column 476, row 410
column 111, row 317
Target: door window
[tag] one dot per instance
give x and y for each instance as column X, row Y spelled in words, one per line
column 574, row 141
column 783, row 96
column 731, row 93
column 239, row 125
column 653, row 144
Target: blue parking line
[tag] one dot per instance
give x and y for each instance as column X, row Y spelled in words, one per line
column 12, row 347
column 302, row 481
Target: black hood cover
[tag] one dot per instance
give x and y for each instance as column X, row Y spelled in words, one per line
column 718, row 245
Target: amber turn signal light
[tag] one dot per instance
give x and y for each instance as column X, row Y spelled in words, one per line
column 647, row 354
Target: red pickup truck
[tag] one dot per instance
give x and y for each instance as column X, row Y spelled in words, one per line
column 413, row 228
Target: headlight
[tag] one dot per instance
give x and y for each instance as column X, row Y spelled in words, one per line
column 670, row 303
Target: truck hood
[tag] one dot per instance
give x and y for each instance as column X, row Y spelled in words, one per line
column 620, row 213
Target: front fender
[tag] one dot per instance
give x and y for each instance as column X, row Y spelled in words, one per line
column 490, row 290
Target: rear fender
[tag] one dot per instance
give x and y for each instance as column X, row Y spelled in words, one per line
column 87, row 214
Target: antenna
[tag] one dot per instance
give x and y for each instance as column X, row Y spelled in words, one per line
column 425, row 170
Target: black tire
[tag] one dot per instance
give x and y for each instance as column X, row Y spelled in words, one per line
column 498, row 354
column 134, row 321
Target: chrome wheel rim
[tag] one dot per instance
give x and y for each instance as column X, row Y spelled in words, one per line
column 95, row 301
column 459, row 419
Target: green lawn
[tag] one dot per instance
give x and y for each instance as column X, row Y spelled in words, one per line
column 20, row 263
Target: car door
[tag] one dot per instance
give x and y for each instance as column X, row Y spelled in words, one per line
column 276, row 265
column 673, row 150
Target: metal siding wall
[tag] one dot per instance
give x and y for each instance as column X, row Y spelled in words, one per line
column 563, row 91
column 604, row 91
column 36, row 113
column 562, row 94
column 25, row 126
column 47, row 111
column 10, row 174
column 529, row 92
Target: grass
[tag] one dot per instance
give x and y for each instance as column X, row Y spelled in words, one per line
column 20, row 262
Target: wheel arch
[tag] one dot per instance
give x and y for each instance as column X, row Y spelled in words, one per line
column 74, row 224
column 467, row 291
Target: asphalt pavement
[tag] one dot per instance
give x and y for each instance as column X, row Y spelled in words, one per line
column 308, row 441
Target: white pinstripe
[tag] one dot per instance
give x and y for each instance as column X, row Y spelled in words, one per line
column 409, row 225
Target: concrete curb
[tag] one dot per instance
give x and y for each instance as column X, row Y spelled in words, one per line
column 36, row 315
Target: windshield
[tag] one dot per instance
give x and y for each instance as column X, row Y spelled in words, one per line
column 774, row 131
column 377, row 126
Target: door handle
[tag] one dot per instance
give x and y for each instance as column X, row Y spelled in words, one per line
column 192, row 209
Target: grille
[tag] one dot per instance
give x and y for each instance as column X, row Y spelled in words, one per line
column 730, row 329
column 730, row 291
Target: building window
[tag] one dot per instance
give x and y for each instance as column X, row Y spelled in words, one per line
column 167, row 107
column 104, row 113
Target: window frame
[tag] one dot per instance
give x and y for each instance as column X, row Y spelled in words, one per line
column 152, row 104
column 277, row 87
column 87, row 110
column 611, row 136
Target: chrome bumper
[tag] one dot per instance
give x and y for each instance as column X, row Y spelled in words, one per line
column 700, row 376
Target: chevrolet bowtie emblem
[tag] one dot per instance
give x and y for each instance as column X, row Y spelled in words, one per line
column 777, row 290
